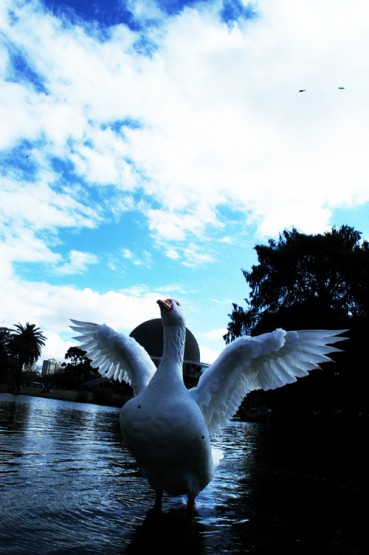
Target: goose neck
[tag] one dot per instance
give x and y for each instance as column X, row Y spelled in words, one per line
column 174, row 344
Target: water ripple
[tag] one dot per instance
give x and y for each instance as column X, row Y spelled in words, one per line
column 67, row 486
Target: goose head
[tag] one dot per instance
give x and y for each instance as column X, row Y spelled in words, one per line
column 172, row 313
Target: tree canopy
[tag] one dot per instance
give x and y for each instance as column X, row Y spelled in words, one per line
column 25, row 346
column 306, row 282
column 79, row 369
column 4, row 354
column 26, row 342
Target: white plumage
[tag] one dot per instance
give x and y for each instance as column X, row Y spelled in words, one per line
column 168, row 427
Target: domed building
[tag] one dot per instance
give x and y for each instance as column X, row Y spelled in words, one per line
column 149, row 335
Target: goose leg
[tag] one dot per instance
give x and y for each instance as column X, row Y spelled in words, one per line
column 158, row 500
column 190, row 504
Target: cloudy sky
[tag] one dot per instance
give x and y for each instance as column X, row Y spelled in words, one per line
column 146, row 146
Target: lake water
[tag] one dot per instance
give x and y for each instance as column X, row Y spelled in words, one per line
column 67, row 485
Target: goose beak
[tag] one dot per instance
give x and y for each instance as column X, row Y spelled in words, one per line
column 166, row 305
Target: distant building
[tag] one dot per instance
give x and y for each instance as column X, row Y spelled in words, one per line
column 51, row 366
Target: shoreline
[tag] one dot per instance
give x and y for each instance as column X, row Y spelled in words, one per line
column 251, row 415
column 78, row 396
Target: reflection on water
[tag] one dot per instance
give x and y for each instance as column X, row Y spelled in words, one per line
column 67, row 485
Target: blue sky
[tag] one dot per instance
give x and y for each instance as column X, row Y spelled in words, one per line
column 147, row 146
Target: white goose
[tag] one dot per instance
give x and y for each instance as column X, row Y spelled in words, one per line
column 168, row 427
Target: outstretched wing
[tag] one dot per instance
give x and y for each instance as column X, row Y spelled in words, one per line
column 264, row 362
column 117, row 356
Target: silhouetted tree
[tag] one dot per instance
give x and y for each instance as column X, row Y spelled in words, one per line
column 77, row 356
column 4, row 354
column 25, row 346
column 305, row 280
column 312, row 281
column 79, row 370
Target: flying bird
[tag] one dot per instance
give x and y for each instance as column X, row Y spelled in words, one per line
column 167, row 427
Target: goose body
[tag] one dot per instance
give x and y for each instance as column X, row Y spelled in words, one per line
column 168, row 427
column 170, row 442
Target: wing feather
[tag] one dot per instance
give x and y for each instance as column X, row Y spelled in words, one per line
column 263, row 362
column 117, row 356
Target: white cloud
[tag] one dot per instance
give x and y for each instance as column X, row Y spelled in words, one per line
column 195, row 256
column 143, row 259
column 208, row 355
column 230, row 126
column 55, row 347
column 173, row 254
column 215, row 334
column 223, row 121
column 35, row 204
column 52, row 307
column 127, row 253
column 78, row 263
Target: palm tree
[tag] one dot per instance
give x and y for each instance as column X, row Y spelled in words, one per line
column 26, row 343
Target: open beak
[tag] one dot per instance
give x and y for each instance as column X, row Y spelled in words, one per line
column 166, row 305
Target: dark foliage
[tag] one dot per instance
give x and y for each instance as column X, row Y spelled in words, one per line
column 311, row 282
column 76, row 372
column 5, row 361
column 23, row 348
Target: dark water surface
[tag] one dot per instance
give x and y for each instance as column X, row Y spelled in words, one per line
column 67, row 485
